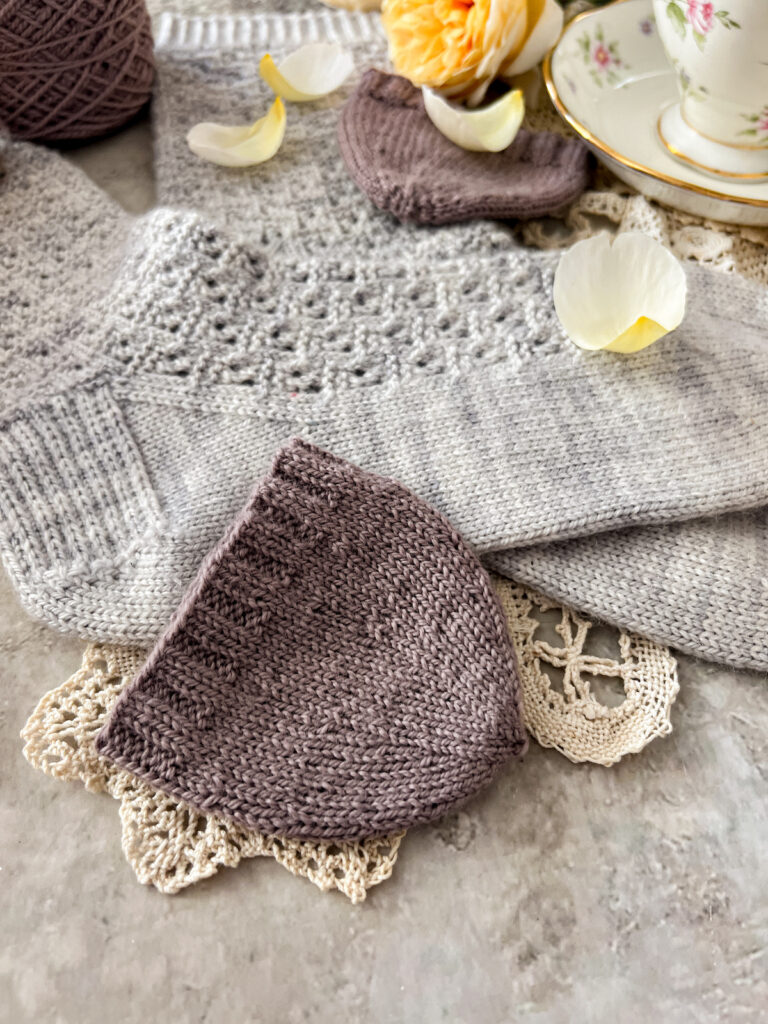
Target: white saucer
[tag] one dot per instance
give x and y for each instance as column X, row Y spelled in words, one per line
column 688, row 145
column 610, row 79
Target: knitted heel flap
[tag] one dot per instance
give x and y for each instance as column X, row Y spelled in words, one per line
column 404, row 165
column 339, row 669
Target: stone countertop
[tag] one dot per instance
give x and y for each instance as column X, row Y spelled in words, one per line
column 563, row 893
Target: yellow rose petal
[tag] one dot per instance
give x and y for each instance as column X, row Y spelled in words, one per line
column 308, row 73
column 240, row 145
column 487, row 129
column 619, row 294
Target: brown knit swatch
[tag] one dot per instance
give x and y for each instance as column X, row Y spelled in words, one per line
column 406, row 166
column 339, row 669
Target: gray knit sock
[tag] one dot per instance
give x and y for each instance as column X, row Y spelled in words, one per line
column 432, row 356
column 700, row 586
column 405, row 166
column 226, row 78
column 303, row 198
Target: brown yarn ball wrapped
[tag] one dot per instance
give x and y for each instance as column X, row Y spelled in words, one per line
column 73, row 69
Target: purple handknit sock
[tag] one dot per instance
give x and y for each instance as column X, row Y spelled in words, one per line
column 404, row 165
column 339, row 669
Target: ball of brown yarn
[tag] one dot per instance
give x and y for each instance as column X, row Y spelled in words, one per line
column 73, row 69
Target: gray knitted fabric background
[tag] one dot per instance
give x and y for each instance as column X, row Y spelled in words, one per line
column 156, row 364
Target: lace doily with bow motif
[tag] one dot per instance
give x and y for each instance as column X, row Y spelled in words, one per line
column 170, row 845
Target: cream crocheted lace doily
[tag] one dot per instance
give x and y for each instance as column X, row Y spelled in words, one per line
column 166, row 842
column 560, row 678
column 171, row 846
column 611, row 204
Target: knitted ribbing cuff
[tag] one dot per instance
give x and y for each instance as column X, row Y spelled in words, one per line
column 78, row 507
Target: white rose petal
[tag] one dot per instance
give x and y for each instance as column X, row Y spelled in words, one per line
column 308, row 73
column 487, row 129
column 542, row 36
column 240, row 145
column 621, row 294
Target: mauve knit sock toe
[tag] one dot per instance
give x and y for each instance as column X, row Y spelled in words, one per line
column 405, row 166
column 339, row 669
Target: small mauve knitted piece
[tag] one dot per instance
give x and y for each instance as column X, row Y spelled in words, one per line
column 340, row 668
column 406, row 166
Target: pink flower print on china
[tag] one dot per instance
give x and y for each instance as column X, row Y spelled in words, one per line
column 758, row 125
column 602, row 56
column 701, row 16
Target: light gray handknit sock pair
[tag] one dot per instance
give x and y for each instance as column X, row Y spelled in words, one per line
column 683, row 583
column 195, row 343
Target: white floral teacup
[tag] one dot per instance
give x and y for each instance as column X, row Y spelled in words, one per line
column 720, row 53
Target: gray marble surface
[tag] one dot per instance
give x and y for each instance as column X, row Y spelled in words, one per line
column 563, row 893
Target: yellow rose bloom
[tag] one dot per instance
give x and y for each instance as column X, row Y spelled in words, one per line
column 458, row 46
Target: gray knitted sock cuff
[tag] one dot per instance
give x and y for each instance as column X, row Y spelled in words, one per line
column 78, row 504
column 339, row 669
column 405, row 166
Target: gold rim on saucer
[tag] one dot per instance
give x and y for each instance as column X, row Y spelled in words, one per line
column 728, row 145
column 758, row 176
column 625, row 161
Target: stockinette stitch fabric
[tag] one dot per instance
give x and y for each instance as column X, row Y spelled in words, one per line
column 405, row 166
column 339, row 669
column 155, row 364
column 702, row 584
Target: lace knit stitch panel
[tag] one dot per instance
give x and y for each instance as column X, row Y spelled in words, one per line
column 167, row 843
column 218, row 313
